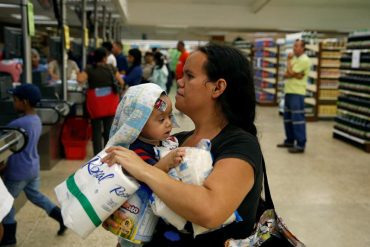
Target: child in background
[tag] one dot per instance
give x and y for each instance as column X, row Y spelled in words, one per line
column 22, row 170
column 143, row 121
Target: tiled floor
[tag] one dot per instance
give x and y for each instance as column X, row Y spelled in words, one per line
column 323, row 195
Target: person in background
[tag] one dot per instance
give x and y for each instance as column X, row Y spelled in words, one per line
column 148, row 66
column 173, row 57
column 23, row 168
column 217, row 93
column 111, row 59
column 35, row 60
column 160, row 72
column 182, row 59
column 72, row 69
column 135, row 72
column 298, row 67
column 122, row 65
column 100, row 75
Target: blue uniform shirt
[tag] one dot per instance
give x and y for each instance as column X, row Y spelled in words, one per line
column 134, row 77
column 26, row 164
column 121, row 63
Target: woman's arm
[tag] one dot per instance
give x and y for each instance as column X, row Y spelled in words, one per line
column 208, row 205
column 119, row 79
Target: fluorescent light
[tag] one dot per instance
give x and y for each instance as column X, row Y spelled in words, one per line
column 36, row 17
column 10, row 6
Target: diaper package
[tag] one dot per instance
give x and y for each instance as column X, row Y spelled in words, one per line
column 194, row 169
column 92, row 194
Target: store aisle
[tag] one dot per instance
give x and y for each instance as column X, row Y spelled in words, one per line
column 323, row 194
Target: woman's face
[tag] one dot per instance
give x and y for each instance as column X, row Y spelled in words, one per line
column 193, row 89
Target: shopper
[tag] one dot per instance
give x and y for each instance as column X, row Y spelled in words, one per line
column 298, row 67
column 182, row 59
column 160, row 72
column 148, row 66
column 120, row 58
column 100, row 75
column 135, row 72
column 35, row 61
column 217, row 93
column 111, row 59
column 72, row 68
column 23, row 168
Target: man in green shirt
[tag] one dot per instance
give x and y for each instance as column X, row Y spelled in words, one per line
column 298, row 67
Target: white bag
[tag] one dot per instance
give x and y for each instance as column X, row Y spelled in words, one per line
column 92, row 194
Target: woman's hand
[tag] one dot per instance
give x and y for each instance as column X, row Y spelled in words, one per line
column 128, row 159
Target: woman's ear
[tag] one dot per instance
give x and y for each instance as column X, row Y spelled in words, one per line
column 219, row 87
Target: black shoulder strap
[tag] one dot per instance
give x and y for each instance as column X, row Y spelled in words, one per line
column 268, row 198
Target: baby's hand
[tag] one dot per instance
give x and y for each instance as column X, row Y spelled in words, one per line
column 175, row 157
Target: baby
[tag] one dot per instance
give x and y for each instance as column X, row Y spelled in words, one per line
column 143, row 121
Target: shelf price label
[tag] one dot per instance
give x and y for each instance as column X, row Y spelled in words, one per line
column 356, row 55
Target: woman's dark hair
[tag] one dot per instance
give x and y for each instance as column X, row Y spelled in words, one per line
column 159, row 59
column 99, row 55
column 238, row 102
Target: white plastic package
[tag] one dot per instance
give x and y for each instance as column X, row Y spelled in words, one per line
column 92, row 194
column 194, row 169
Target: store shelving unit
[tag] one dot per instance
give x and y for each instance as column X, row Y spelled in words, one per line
column 266, row 60
column 281, row 68
column 246, row 47
column 322, row 88
column 352, row 123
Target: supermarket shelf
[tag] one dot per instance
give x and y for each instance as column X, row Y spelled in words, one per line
column 310, row 101
column 313, row 74
column 352, row 139
column 270, row 49
column 361, row 50
column 328, row 98
column 314, row 48
column 312, row 87
column 357, row 72
column 330, row 66
column 314, row 60
column 269, row 90
column 364, row 95
column 269, row 70
column 358, row 115
column 328, row 87
column 326, row 117
column 269, row 80
column 330, row 77
column 330, row 57
column 331, row 48
column 270, row 59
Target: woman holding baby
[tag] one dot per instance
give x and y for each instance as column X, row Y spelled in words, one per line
column 217, row 93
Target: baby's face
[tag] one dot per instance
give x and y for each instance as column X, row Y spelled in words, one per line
column 159, row 125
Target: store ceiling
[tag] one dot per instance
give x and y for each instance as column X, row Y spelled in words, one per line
column 212, row 17
column 200, row 19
